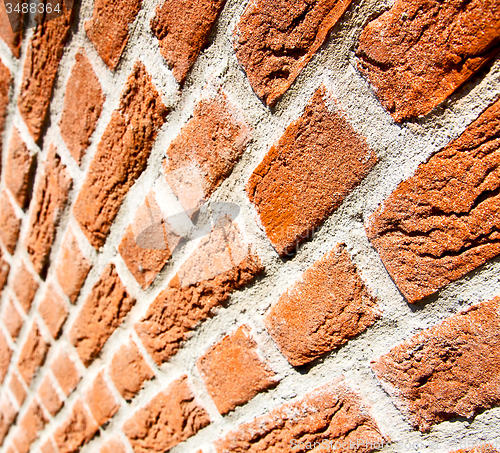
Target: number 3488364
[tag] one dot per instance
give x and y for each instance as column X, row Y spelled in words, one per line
column 26, row 8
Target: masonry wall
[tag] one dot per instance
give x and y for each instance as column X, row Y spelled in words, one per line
column 259, row 226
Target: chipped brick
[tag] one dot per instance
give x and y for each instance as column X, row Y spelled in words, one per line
column 32, row 355
column 10, row 224
column 25, row 286
column 49, row 397
column 53, row 311
column 101, row 401
column 12, row 319
column 65, row 372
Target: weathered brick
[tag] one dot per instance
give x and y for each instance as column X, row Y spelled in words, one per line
column 17, row 388
column 479, row 449
column 5, row 83
column 121, row 156
column 274, row 41
column 129, row 370
column 12, row 319
column 168, row 419
column 220, row 265
column 103, row 311
column 83, row 102
column 113, row 446
column 65, row 372
column 307, row 174
column 109, row 28
column 5, row 355
column 51, row 194
column 329, row 305
column 181, row 41
column 32, row 355
column 13, row 40
column 206, row 150
column 7, row 416
column 333, row 413
column 33, row 422
column 101, row 401
column 53, row 311
column 449, row 370
column 49, row 397
column 72, row 267
column 426, row 235
column 233, row 372
column 25, row 286
column 420, row 51
column 10, row 224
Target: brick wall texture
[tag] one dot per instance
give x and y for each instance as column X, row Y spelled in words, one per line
column 236, row 226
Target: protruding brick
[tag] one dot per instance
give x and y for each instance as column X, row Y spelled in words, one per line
column 25, row 286
column 5, row 355
column 274, row 41
column 334, row 414
column 449, row 370
column 113, row 446
column 33, row 422
column 100, row 400
column 103, row 311
column 233, row 372
column 7, row 416
column 169, row 418
column 426, row 235
column 32, row 355
column 109, row 28
column 53, row 311
column 121, row 156
column 51, row 194
column 307, row 174
column 419, row 52
column 13, row 40
column 221, row 264
column 17, row 389
column 65, row 372
column 12, row 319
column 181, row 41
column 129, row 370
column 329, row 305
column 5, row 83
column 49, row 397
column 10, row 224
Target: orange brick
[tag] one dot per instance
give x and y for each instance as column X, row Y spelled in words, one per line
column 12, row 319
column 13, row 40
column 5, row 355
column 49, row 397
column 10, row 224
column 5, row 84
column 17, row 389
column 65, row 372
column 113, row 446
column 53, row 311
column 33, row 422
column 101, row 401
column 32, row 354
column 7, row 416
column 25, row 286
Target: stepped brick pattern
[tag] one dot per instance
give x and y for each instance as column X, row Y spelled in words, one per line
column 250, row 226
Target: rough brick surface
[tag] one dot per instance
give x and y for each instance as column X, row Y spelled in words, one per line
column 306, row 175
column 101, row 401
column 113, row 446
column 5, row 82
column 121, row 156
column 427, row 236
column 82, row 107
column 10, row 224
column 32, row 354
column 449, row 370
column 275, row 40
column 329, row 305
column 13, row 40
column 17, row 389
column 51, row 193
column 25, row 286
column 129, row 370
column 5, row 355
column 233, row 372
column 333, row 412
column 7, row 416
column 103, row 311
column 49, row 397
column 12, row 319
column 220, row 265
column 169, row 418
column 53, row 311
column 33, row 422
column 420, row 51
column 4, row 272
column 181, row 41
column 65, row 372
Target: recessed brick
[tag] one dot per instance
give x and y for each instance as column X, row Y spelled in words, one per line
column 449, row 370
column 274, row 41
column 129, row 370
column 329, row 305
column 5, row 83
column 419, row 52
column 72, row 267
column 168, row 419
column 426, row 235
column 121, row 156
column 7, row 416
column 53, row 311
column 109, row 28
column 49, row 397
column 103, row 311
column 25, row 286
column 181, row 41
column 5, row 355
column 12, row 319
column 113, row 446
column 17, row 389
column 51, row 194
column 33, row 422
column 221, row 264
column 13, row 40
column 10, row 224
column 100, row 400
column 206, row 150
column 334, row 414
column 307, row 174
column 83, row 102
column 65, row 372
column 32, row 354
column 233, row 372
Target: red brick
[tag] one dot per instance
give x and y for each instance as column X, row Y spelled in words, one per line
column 274, row 41
column 13, row 40
column 220, row 265
column 103, row 311
column 82, row 107
column 5, row 355
column 53, row 311
column 479, row 449
column 5, row 83
column 10, row 224
column 329, row 305
column 449, row 370
column 33, row 422
column 233, row 372
column 168, row 419
column 44, row 53
column 420, row 51
column 51, row 194
column 332, row 413
column 129, row 370
column 76, row 431
column 12, row 319
column 25, row 286
column 49, row 397
column 7, row 416
column 65, row 372
column 109, row 28
column 101, row 401
column 121, row 156
column 426, row 235
column 206, row 150
column 17, row 388
column 307, row 174
column 32, row 355
column 19, row 170
column 181, row 41
column 113, row 446
column 72, row 267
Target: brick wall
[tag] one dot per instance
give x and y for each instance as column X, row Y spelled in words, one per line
column 264, row 226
